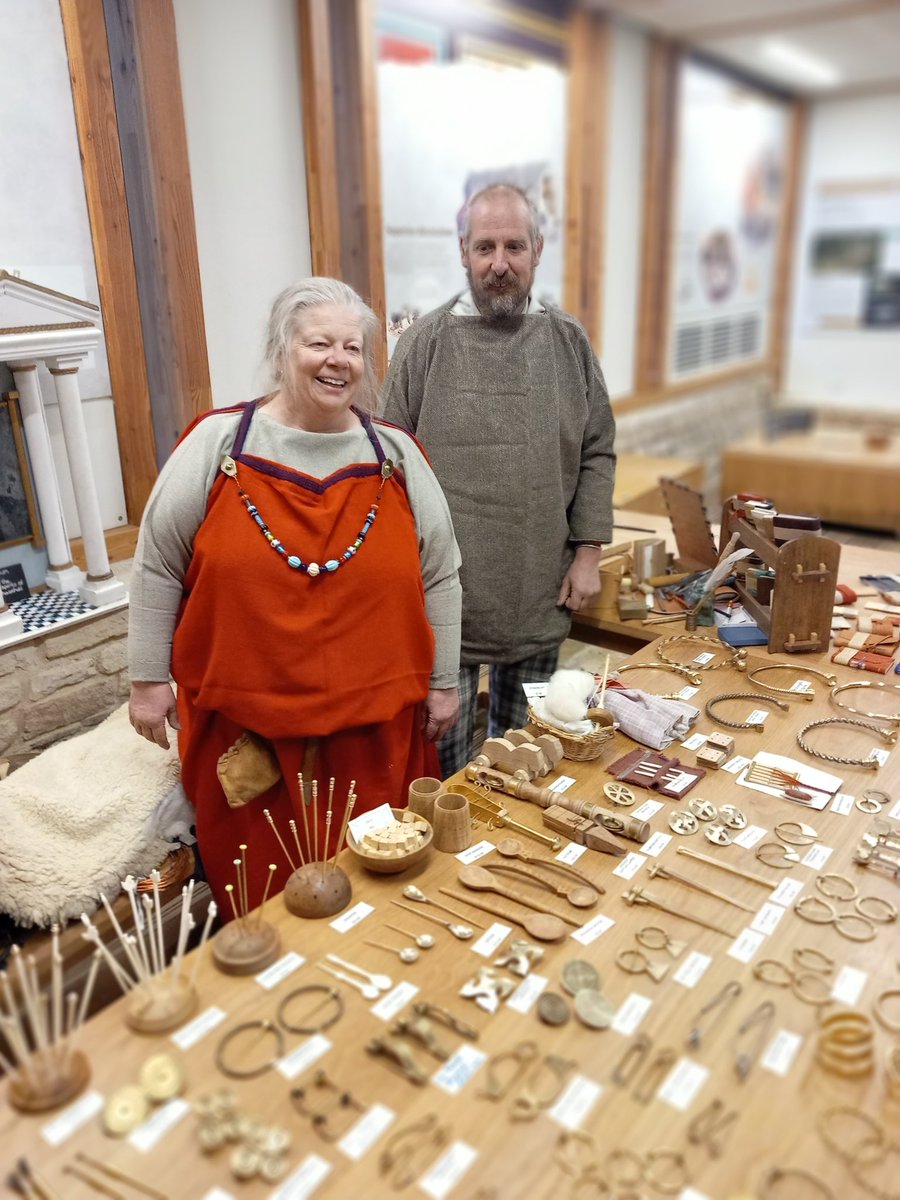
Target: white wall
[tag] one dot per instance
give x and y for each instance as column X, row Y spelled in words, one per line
column 625, row 178
column 44, row 229
column 848, row 140
column 240, row 78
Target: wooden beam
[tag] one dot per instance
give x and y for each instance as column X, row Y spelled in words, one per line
column 844, row 10
column 586, row 163
column 660, row 149
column 370, row 169
column 319, row 138
column 104, row 185
column 169, row 180
column 785, row 255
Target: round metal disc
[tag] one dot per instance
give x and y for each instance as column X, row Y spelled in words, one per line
column 593, row 1009
column 578, row 975
column 619, row 793
column 162, row 1077
column 552, row 1009
column 125, row 1109
column 718, row 835
column 683, row 822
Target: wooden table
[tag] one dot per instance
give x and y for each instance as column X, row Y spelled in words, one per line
column 831, row 472
column 777, row 1113
column 637, row 480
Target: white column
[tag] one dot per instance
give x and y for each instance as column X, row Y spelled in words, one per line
column 62, row 574
column 101, row 586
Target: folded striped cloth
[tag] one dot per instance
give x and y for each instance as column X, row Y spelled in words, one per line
column 649, row 719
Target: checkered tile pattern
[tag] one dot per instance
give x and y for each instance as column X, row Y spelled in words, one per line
column 48, row 609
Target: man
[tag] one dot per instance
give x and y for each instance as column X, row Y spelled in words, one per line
column 509, row 401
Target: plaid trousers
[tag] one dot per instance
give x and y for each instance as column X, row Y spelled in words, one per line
column 508, row 704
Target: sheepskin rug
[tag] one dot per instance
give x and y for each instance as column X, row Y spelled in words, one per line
column 81, row 816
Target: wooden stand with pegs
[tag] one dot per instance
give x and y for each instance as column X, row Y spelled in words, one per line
column 247, row 944
column 317, row 887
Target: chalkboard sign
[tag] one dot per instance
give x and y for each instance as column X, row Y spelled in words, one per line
column 13, row 583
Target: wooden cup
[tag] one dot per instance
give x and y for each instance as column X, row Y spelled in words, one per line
column 422, row 795
column 452, row 824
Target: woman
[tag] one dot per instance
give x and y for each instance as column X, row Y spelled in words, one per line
column 297, row 575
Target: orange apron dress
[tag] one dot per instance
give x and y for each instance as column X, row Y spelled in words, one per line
column 342, row 656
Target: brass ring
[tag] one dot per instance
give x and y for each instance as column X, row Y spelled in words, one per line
column 886, row 914
column 263, row 1026
column 836, row 1145
column 893, row 1026
column 868, row 927
column 800, row 991
column 803, row 954
column 778, row 1174
column 782, row 977
column 809, row 904
column 828, row 889
column 668, row 1186
column 329, row 993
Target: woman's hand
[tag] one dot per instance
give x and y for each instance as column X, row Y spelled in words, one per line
column 441, row 712
column 149, row 707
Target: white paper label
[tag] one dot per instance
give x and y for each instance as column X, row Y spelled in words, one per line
column 366, row 1132
column 848, row 985
column 535, row 691
column 352, row 917
column 523, row 998
column 594, row 928
column 801, row 685
column 750, row 836
column 304, row 1180
column 694, row 742
column 574, row 1105
column 479, row 850
column 682, row 1084
column 766, row 920
column 745, row 945
column 370, row 822
column 781, row 1052
column 816, row 857
column 388, row 1006
column 758, row 716
column 562, row 783
column 163, row 1119
column 456, row 1072
column 880, row 756
column 787, row 891
column 630, row 865
column 656, row 843
column 303, row 1056
column 687, row 693
column 217, row 1193
column 895, row 811
column 630, row 1014
column 690, row 1193
column 440, row 1179
column 704, row 657
column 692, row 970
column 188, row 1035
column 491, row 940
column 570, row 854
column 842, row 803
column 680, row 781
column 72, row 1118
column 647, row 810
column 735, row 765
column 279, row 970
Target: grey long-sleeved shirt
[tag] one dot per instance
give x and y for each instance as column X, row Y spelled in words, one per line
column 177, row 506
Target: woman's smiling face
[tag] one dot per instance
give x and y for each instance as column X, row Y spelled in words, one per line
column 325, row 366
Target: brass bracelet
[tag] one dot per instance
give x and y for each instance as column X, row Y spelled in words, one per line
column 874, row 1133
column 263, row 1026
column 757, row 725
column 777, row 1175
column 807, row 997
column 892, row 1026
column 825, row 885
column 892, row 719
column 686, row 672
column 328, row 993
column 887, row 735
column 883, row 916
column 736, row 658
column 806, row 906
column 788, row 691
column 845, row 919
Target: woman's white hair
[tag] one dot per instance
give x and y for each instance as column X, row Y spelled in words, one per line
column 287, row 312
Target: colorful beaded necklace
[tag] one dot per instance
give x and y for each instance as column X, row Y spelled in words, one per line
column 294, row 561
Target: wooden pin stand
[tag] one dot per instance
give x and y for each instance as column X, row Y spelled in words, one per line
column 798, row 621
column 245, row 947
column 318, row 889
column 54, row 1077
column 160, row 1004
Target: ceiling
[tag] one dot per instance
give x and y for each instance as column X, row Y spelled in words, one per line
column 813, row 47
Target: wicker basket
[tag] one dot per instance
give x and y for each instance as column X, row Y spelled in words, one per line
column 579, row 747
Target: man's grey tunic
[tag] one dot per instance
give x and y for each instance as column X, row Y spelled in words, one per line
column 516, row 419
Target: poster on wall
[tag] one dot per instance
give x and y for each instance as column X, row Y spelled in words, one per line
column 732, row 148
column 447, row 132
column 851, row 279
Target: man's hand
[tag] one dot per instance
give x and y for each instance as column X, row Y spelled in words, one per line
column 149, row 707
column 440, row 712
column 582, row 581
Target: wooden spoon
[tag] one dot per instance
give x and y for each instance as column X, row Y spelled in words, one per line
column 479, row 879
column 576, row 894
column 543, row 927
column 513, row 848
